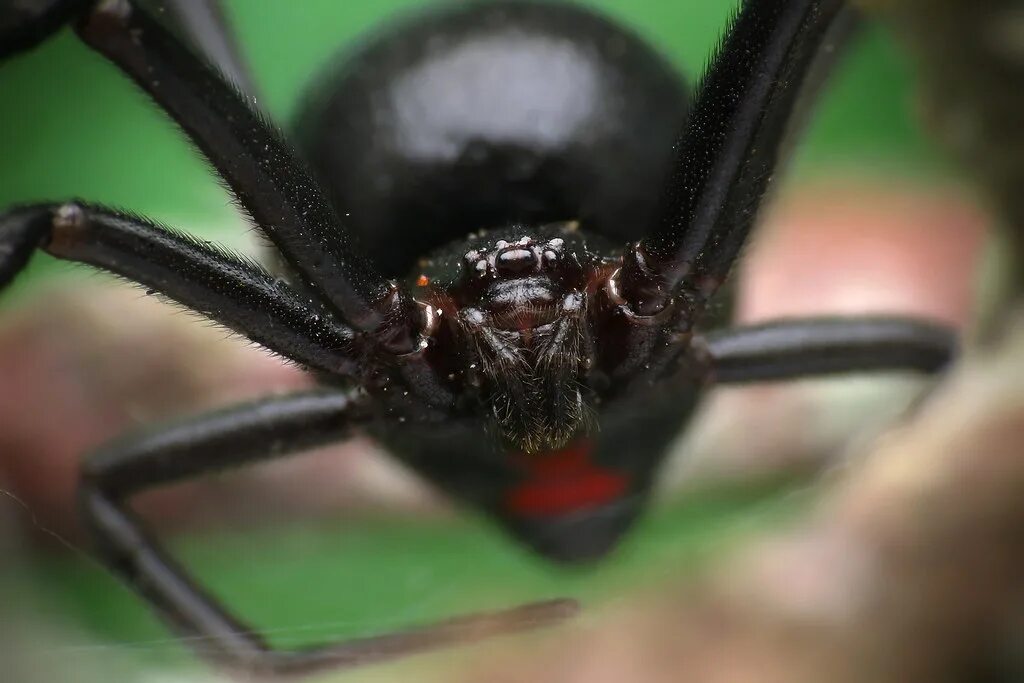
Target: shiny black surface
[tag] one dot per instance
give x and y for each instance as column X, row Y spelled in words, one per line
column 479, row 115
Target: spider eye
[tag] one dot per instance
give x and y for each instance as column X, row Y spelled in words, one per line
column 515, row 260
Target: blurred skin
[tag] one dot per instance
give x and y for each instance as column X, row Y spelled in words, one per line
column 83, row 363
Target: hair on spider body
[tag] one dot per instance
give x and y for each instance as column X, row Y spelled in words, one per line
column 532, row 362
column 518, row 299
column 500, row 244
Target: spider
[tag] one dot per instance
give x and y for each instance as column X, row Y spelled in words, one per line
column 451, row 225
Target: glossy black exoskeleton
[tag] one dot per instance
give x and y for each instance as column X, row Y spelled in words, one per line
column 501, row 237
column 487, row 115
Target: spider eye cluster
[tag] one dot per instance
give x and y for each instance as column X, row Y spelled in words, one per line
column 514, row 259
column 522, row 309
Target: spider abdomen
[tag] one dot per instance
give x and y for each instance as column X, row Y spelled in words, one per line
column 490, row 114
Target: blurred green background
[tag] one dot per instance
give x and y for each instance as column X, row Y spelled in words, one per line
column 71, row 126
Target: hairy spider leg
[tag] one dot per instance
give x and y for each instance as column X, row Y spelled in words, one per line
column 228, row 289
column 268, row 178
column 230, row 438
column 204, row 25
column 727, row 152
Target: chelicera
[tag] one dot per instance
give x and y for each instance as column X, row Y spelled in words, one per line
column 500, row 228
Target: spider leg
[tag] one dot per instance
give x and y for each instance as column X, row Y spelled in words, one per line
column 728, row 150
column 268, row 178
column 787, row 349
column 225, row 288
column 226, row 439
column 204, row 25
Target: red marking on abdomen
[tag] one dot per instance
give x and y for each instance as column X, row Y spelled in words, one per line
column 563, row 481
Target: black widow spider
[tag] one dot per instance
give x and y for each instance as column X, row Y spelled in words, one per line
column 496, row 156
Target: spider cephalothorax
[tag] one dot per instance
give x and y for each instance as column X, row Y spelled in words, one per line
column 538, row 371
column 522, row 306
